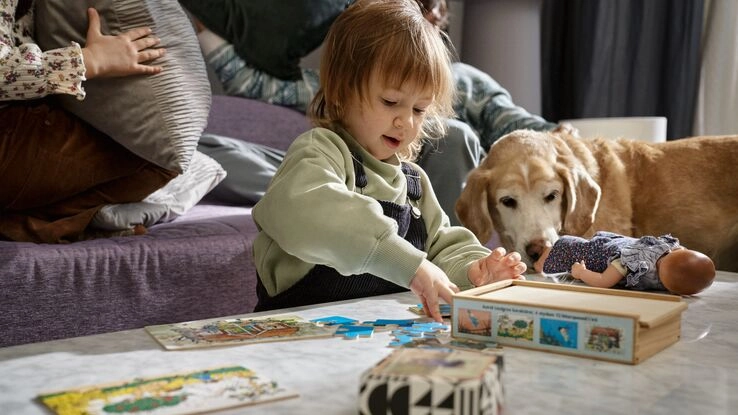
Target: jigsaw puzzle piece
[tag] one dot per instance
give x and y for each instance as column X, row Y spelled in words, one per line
column 354, row 331
column 387, row 322
column 400, row 340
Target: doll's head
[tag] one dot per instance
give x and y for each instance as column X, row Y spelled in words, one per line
column 390, row 42
column 685, row 272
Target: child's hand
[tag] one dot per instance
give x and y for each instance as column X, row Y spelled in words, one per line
column 577, row 269
column 429, row 283
column 497, row 266
column 119, row 55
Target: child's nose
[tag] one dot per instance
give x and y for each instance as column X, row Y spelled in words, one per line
column 404, row 120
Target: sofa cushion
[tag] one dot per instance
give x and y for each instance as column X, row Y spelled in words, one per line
column 270, row 35
column 158, row 117
column 256, row 121
column 197, row 266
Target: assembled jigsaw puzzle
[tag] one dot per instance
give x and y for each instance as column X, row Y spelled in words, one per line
column 215, row 332
column 185, row 393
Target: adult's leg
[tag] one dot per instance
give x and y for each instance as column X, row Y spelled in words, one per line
column 250, row 168
column 238, row 78
column 448, row 161
column 58, row 172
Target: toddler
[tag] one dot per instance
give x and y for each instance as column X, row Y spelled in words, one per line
column 347, row 215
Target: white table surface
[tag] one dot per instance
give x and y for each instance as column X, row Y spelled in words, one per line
column 697, row 375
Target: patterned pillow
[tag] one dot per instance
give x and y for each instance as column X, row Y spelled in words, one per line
column 158, row 117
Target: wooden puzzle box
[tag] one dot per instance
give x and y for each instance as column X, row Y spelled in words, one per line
column 607, row 324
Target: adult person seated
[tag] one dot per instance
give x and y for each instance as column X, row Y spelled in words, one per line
column 56, row 170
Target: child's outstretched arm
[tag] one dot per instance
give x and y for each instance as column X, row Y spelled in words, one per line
column 606, row 279
column 429, row 283
column 497, row 266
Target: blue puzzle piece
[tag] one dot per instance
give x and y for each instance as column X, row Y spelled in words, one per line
column 400, row 340
column 416, row 331
column 353, row 331
column 385, row 322
column 431, row 326
column 333, row 320
column 409, row 331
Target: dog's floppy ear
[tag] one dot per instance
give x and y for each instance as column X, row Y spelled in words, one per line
column 471, row 207
column 582, row 197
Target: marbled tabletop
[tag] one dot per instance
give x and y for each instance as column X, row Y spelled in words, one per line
column 697, row 375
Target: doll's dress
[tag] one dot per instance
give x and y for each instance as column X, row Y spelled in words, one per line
column 639, row 259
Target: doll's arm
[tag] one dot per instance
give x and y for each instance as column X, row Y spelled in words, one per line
column 606, row 279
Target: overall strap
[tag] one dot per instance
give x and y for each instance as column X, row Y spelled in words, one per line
column 414, row 189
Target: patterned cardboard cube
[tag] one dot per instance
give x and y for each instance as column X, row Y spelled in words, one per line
column 424, row 381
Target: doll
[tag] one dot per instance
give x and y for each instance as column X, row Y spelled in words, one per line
column 646, row 263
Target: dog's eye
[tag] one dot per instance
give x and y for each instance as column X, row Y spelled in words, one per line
column 551, row 196
column 509, row 202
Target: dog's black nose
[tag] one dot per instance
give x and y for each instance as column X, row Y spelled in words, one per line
column 534, row 249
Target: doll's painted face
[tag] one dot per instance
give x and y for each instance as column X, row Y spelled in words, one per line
column 389, row 119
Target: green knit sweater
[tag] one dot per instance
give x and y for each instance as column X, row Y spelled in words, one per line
column 313, row 213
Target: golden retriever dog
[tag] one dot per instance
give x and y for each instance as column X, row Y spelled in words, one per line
column 534, row 186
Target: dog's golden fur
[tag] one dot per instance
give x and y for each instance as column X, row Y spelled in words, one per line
column 534, row 186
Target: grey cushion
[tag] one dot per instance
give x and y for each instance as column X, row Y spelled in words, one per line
column 166, row 204
column 158, row 117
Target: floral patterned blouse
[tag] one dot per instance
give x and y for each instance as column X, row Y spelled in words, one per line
column 26, row 72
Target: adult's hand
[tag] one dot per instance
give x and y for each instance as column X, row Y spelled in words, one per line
column 120, row 55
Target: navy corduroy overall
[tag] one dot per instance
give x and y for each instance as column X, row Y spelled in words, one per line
column 324, row 284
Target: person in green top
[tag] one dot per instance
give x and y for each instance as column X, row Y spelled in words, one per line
column 347, row 215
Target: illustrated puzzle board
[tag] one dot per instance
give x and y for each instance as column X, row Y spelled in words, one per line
column 236, row 331
column 173, row 394
column 617, row 325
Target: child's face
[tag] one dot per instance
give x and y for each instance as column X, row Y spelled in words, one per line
column 389, row 120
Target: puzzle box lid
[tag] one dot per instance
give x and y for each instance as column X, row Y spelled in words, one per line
column 648, row 309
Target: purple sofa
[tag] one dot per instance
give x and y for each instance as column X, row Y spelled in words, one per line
column 198, row 266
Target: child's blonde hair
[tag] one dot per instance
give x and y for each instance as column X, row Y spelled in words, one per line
column 392, row 39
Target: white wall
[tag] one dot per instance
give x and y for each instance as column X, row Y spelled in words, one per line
column 502, row 38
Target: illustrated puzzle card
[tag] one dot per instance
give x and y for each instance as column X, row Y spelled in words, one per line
column 185, row 393
column 214, row 332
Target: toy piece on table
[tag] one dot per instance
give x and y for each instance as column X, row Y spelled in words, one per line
column 352, row 332
column 405, row 335
column 433, row 381
column 418, row 309
column 615, row 325
column 333, row 320
column 182, row 393
column 388, row 322
column 646, row 263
